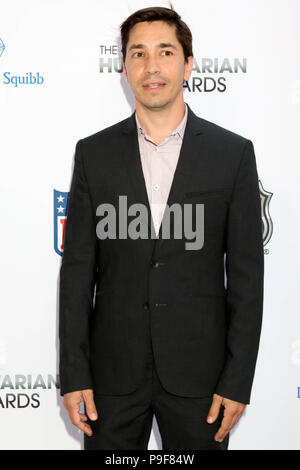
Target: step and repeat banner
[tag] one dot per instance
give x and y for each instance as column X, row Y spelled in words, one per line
column 61, row 80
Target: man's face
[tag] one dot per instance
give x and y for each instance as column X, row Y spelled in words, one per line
column 155, row 55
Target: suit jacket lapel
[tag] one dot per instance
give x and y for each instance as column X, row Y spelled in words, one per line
column 186, row 165
column 134, row 169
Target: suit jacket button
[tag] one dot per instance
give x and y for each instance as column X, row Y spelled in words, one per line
column 146, row 306
column 154, row 264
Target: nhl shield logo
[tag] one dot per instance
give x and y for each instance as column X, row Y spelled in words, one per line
column 60, row 210
column 267, row 224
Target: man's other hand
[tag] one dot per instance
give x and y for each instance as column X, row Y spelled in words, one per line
column 232, row 413
column 71, row 402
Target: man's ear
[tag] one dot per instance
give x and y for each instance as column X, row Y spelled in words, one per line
column 124, row 70
column 189, row 67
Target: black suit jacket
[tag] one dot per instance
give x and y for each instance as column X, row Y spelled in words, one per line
column 204, row 320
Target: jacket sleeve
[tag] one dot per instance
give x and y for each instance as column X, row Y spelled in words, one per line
column 245, row 272
column 77, row 280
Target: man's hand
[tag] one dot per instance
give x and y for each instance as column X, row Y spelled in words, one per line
column 71, row 402
column 232, row 413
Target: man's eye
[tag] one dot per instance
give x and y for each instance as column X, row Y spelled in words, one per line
column 134, row 54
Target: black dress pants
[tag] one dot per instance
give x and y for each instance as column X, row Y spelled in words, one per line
column 125, row 421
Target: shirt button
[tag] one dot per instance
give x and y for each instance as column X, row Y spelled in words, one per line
column 146, row 306
column 156, row 187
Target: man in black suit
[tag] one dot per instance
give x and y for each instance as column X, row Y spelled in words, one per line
column 166, row 332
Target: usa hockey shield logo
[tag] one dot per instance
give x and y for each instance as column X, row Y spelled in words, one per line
column 60, row 217
column 267, row 224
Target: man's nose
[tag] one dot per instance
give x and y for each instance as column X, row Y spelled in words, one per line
column 152, row 65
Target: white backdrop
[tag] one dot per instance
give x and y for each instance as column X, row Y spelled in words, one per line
column 62, row 43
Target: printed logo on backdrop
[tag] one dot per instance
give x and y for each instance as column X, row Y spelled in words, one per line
column 2, row 47
column 60, row 202
column 16, row 80
column 20, row 390
column 19, row 80
column 267, row 224
column 24, row 391
column 209, row 74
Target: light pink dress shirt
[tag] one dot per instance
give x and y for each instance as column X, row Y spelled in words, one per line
column 159, row 163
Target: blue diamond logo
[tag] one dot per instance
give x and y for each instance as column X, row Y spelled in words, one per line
column 2, row 47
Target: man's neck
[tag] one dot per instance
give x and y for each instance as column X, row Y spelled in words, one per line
column 160, row 123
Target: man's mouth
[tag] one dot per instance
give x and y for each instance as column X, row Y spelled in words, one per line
column 154, row 85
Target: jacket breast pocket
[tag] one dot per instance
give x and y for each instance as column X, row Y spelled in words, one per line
column 206, row 193
column 206, row 211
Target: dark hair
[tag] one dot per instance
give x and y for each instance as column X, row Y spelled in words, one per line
column 168, row 15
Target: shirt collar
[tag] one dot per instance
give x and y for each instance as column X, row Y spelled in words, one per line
column 179, row 129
